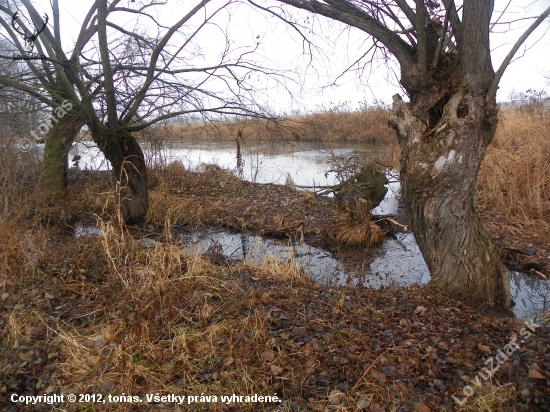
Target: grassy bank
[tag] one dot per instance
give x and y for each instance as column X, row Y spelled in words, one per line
column 105, row 315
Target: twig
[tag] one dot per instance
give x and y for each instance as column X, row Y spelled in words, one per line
column 372, row 364
column 542, row 275
column 404, row 228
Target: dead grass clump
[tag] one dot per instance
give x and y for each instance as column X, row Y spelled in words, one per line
column 353, row 227
column 514, row 180
column 20, row 254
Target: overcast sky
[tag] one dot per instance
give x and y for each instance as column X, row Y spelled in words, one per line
column 317, row 79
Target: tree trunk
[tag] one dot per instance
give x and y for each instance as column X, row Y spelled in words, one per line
column 439, row 169
column 59, row 141
column 130, row 174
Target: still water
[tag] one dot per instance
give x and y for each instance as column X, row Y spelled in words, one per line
column 397, row 261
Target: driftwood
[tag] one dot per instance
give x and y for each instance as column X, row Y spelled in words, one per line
column 522, row 259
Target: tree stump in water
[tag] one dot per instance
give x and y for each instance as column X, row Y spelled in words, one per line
column 368, row 184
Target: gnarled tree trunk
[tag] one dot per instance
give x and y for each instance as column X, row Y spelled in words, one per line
column 130, row 174
column 58, row 144
column 439, row 169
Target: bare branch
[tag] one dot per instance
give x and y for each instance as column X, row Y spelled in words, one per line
column 441, row 40
column 498, row 75
column 456, row 24
column 350, row 14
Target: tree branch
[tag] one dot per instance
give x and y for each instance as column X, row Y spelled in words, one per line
column 350, row 14
column 421, row 37
column 456, row 24
column 491, row 94
column 110, row 97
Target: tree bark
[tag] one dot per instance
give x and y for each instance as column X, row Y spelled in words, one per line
column 130, row 174
column 59, row 141
column 439, row 169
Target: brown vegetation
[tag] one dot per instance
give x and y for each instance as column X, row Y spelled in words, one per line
column 339, row 123
column 106, row 315
column 514, row 181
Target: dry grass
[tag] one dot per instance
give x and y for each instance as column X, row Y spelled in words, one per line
column 353, row 227
column 514, row 180
column 340, row 123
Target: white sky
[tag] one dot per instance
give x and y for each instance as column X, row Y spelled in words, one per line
column 338, row 46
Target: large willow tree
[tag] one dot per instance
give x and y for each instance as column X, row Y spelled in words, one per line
column 444, row 55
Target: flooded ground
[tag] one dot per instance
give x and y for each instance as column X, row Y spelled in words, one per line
column 396, row 262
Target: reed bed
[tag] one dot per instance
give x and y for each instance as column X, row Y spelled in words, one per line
column 514, row 180
column 339, row 123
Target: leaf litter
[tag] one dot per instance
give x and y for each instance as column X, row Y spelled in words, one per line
column 318, row 348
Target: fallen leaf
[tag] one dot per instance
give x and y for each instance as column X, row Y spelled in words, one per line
column 362, row 403
column 27, row 356
column 335, row 397
column 276, row 370
column 380, row 377
column 267, row 355
column 422, row 407
column 301, row 331
column 310, row 363
column 97, row 342
column 37, row 332
column 535, row 374
column 389, row 370
column 200, row 346
column 485, row 349
column 377, row 408
column 168, row 369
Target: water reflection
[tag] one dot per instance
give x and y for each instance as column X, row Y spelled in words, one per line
column 531, row 295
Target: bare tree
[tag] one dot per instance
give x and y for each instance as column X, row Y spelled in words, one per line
column 442, row 48
column 120, row 81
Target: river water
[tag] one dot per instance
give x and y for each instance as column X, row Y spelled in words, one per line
column 397, row 261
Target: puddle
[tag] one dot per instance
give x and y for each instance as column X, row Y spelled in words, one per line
column 320, row 265
column 87, row 230
column 397, row 261
column 531, row 295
